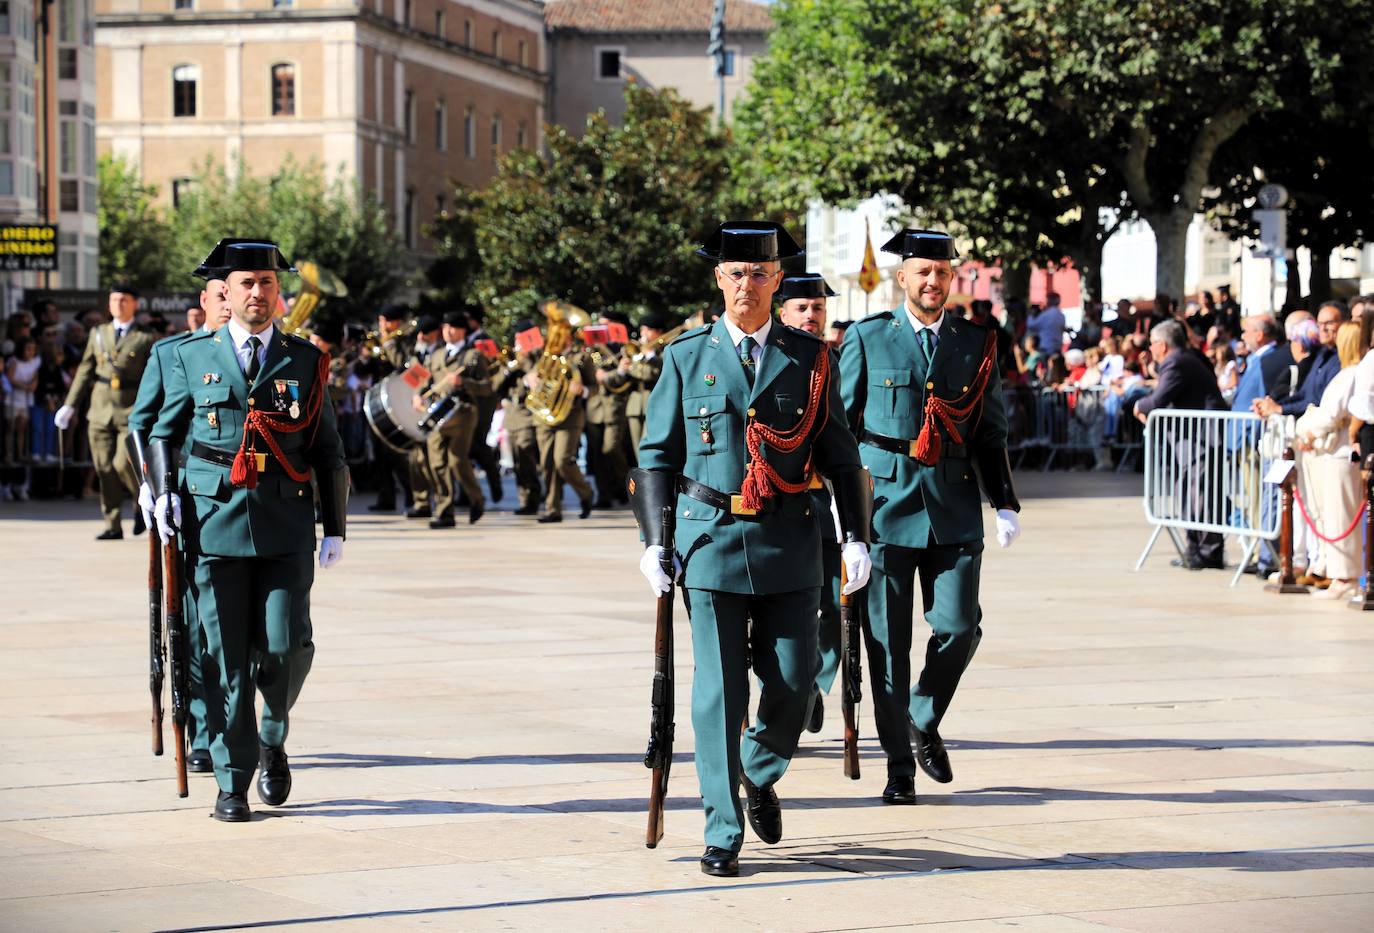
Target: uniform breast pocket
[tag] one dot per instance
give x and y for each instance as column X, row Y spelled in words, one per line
column 214, row 404
column 706, row 419
column 892, row 390
column 789, row 410
column 206, row 481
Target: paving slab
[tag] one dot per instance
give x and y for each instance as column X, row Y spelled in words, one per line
column 1132, row 751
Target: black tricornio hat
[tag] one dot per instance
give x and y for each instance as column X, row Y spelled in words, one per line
column 803, row 285
column 124, row 288
column 456, row 319
column 212, row 266
column 749, row 241
column 425, row 325
column 922, row 244
column 657, row 320
column 254, row 256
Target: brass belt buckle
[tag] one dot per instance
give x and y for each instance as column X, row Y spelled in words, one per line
column 817, row 481
column 911, row 448
column 262, row 461
column 737, row 506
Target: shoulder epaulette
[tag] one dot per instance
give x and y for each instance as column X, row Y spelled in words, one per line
column 296, row 340
column 701, row 331
column 877, row 317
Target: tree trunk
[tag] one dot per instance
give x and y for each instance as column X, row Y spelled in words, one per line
column 1016, row 278
column 1319, row 282
column 1292, row 297
column 1171, row 250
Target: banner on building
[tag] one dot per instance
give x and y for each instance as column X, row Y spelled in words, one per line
column 28, row 247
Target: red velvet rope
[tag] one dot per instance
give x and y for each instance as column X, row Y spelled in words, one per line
column 949, row 411
column 1297, row 497
column 244, row 472
column 761, row 480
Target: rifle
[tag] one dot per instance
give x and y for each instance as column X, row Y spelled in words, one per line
column 177, row 650
column 659, row 756
column 157, row 651
column 851, row 677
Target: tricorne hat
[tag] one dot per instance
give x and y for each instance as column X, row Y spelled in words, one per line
column 212, row 266
column 749, row 241
column 922, row 244
column 254, row 256
column 803, row 285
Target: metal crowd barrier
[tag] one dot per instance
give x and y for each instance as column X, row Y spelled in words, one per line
column 1049, row 421
column 1204, row 472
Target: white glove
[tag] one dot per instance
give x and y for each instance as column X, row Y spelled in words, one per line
column 64, row 417
column 857, row 566
column 331, row 551
column 167, row 511
column 145, row 502
column 650, row 566
column 1008, row 527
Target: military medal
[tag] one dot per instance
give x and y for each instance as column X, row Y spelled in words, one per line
column 706, row 436
column 295, row 410
column 710, row 379
column 205, row 379
column 295, row 388
column 213, row 419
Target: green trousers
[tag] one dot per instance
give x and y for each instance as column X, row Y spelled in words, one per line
column 828, row 619
column 252, row 610
column 948, row 580
column 113, row 470
column 784, row 658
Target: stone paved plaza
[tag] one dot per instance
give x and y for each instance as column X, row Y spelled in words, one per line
column 1150, row 751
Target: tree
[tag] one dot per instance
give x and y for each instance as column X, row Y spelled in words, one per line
column 607, row 220
column 310, row 218
column 133, row 236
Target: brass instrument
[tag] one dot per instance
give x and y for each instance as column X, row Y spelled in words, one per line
column 636, row 351
column 551, row 400
column 316, row 283
column 374, row 339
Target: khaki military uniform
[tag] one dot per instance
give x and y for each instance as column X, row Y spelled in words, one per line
column 400, row 353
column 109, row 374
column 519, row 427
column 644, row 372
column 558, row 443
column 449, row 446
column 607, row 428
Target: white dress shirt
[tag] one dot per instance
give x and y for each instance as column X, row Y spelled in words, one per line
column 917, row 326
column 240, row 338
column 760, row 338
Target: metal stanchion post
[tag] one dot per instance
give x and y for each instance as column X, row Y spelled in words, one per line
column 1287, row 582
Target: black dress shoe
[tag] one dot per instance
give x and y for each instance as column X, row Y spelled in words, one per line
column 494, row 484
column 551, row 518
column 931, row 756
column 586, row 508
column 139, row 526
column 110, row 534
column 476, row 512
column 419, row 511
column 382, row 507
column 817, row 714
column 199, row 761
column 900, row 791
column 765, row 812
column 443, row 521
column 1197, row 563
column 274, row 776
column 721, row 863
column 232, row 808
column 527, row 510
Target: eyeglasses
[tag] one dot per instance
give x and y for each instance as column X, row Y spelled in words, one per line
column 742, row 277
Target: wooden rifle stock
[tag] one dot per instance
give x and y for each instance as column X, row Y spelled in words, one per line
column 156, row 649
column 177, row 647
column 851, row 676
column 659, row 756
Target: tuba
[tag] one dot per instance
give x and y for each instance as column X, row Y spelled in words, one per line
column 316, row 283
column 551, row 399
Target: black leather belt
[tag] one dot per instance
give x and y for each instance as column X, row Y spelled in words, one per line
column 222, row 457
column 731, row 502
column 103, row 380
column 907, row 448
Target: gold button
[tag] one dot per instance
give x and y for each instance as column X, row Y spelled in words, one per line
column 964, row 389
column 686, row 513
column 751, row 413
column 808, row 513
column 887, row 382
column 930, row 385
column 252, row 401
column 193, row 487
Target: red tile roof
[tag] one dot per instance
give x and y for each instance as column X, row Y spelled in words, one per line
column 628, row 16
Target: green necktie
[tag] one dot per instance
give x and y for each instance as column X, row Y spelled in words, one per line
column 254, row 364
column 746, row 357
column 925, row 352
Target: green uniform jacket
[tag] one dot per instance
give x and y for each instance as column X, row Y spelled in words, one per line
column 915, row 505
column 277, row 517
column 102, row 362
column 151, row 390
column 695, row 427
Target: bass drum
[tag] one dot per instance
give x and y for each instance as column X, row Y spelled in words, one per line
column 390, row 409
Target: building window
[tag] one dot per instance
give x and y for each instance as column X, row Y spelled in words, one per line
column 608, row 64
column 469, row 134
column 731, row 56
column 183, row 5
column 440, row 24
column 439, row 205
column 184, row 79
column 66, row 64
column 283, row 90
column 66, row 108
column 409, row 218
column 496, row 43
column 441, row 126
column 68, row 148
column 281, row 3
column 467, row 33
column 6, row 145
column 522, row 51
column 6, row 177
column 69, row 195
column 496, row 137
column 406, row 9
column 408, row 117
column 181, row 187
column 521, row 135
column 5, row 31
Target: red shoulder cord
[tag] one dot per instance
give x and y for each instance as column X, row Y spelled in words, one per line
column 761, row 481
column 951, row 410
column 244, row 472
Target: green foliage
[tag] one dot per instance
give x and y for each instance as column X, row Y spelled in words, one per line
column 607, row 220
column 133, row 236
column 308, row 217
